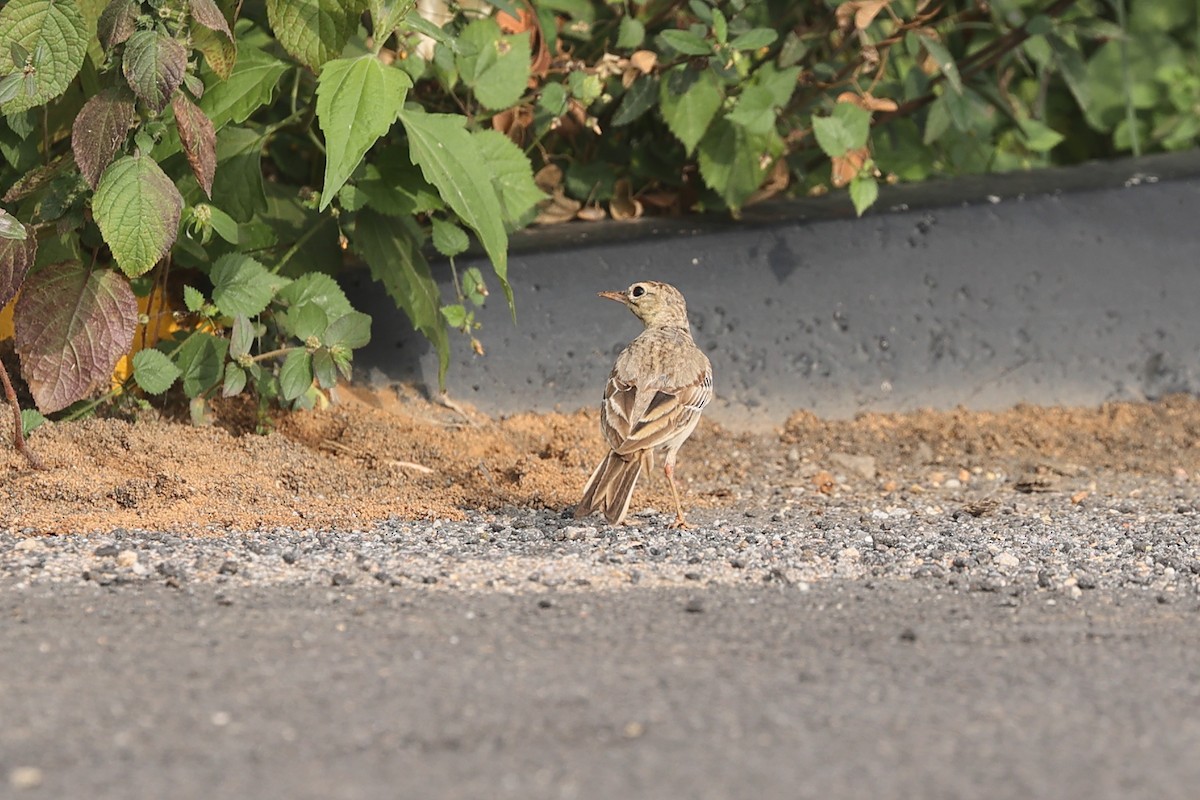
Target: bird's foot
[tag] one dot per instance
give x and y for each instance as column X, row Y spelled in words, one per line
column 681, row 524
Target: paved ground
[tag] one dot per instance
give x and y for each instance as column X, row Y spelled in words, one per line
column 1025, row 653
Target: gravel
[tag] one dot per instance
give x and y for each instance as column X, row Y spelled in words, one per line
column 1032, row 543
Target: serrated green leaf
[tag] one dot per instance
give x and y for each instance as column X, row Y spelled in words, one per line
column 448, row 238
column 349, row 331
column 193, row 299
column 732, row 159
column 494, row 65
column 296, row 374
column 100, row 130
column 324, row 368
column 754, row 38
column 450, row 159
column 137, row 208
column 553, row 99
column 685, row 42
column 630, row 34
column 72, row 325
column 863, row 193
column 357, row 101
column 473, row 286
column 1072, row 68
column 238, row 181
column 1039, row 136
column 249, row 87
column 154, row 372
column 586, row 88
column 945, row 62
column 56, row 32
column 201, row 362
column 312, row 31
column 31, row 420
column 639, row 98
column 455, row 315
column 689, row 100
column 153, row 66
column 512, row 175
column 241, row 285
column 392, row 250
column 241, row 336
column 307, row 321
column 225, row 225
column 846, row 129
column 220, row 53
column 316, row 289
column 235, row 380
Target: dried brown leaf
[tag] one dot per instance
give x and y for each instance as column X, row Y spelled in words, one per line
column 592, row 213
column 644, row 61
column 623, row 204
column 558, row 208
column 846, row 167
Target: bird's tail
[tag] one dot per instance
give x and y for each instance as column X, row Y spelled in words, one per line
column 611, row 486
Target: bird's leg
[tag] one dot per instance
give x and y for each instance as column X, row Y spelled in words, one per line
column 669, row 469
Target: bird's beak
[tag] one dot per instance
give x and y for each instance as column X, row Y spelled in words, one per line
column 618, row 296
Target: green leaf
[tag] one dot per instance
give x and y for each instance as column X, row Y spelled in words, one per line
column 238, row 181
column 846, row 129
column 448, row 238
column 349, row 331
column 755, row 110
column 945, row 62
column 241, row 285
column 154, row 372
column 296, row 375
column 473, row 286
column 357, row 101
column 137, row 208
column 732, row 160
column 1072, row 68
column 225, row 225
column 553, row 99
column 31, row 420
column 201, row 362
column 495, row 66
column 512, row 175
column 690, row 99
column 312, row 31
column 863, row 193
column 316, row 289
column 249, row 87
column 1039, row 136
column 639, row 98
column 72, row 325
column 630, row 34
column 55, row 32
column 456, row 315
column 100, row 130
column 307, row 321
column 153, row 66
column 450, row 159
column 193, row 299
column 386, row 16
column 685, row 42
column 241, row 336
column 392, row 250
column 219, row 51
column 753, row 39
column 16, row 258
column 235, row 380
column 720, row 26
column 325, row 368
column 585, row 88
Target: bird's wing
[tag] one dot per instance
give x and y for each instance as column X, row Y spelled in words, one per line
column 637, row 417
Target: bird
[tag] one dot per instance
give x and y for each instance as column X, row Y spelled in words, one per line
column 653, row 399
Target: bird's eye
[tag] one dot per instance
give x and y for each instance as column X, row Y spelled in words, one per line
column 638, row 291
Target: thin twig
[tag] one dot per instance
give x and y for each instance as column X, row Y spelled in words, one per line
column 18, row 426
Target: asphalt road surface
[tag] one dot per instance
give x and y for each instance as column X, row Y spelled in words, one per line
column 844, row 688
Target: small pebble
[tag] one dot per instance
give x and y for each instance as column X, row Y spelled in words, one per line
column 22, row 778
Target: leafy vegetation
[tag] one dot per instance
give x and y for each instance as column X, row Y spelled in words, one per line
column 189, row 175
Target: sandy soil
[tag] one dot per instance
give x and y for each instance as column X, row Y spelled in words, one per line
column 394, row 454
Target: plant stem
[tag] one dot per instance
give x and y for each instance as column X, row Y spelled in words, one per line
column 303, row 240
column 92, row 406
column 1127, row 80
column 282, row 351
column 18, row 426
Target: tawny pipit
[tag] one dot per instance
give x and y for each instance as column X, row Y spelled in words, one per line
column 653, row 399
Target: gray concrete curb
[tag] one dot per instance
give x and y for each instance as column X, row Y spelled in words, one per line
column 1064, row 287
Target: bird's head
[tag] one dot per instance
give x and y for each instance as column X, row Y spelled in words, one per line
column 657, row 305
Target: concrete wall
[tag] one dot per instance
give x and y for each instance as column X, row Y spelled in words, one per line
column 1071, row 286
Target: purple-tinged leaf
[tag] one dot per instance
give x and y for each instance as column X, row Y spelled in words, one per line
column 16, row 257
column 100, row 130
column 198, row 138
column 154, row 65
column 117, row 23
column 72, row 327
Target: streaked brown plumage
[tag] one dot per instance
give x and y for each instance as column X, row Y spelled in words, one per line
column 653, row 400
